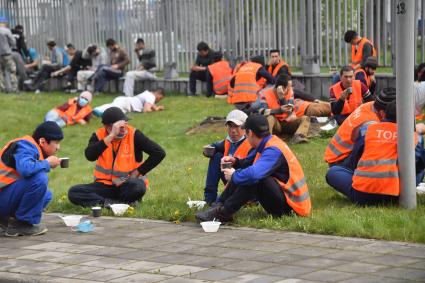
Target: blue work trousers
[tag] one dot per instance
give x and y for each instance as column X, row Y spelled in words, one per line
column 26, row 198
column 214, row 175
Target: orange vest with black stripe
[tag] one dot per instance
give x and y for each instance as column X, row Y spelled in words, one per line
column 276, row 69
column 109, row 169
column 221, row 73
column 295, row 190
column 273, row 102
column 242, row 150
column 367, row 78
column 355, row 99
column 71, row 113
column 377, row 169
column 9, row 175
column 341, row 144
column 246, row 87
column 300, row 106
column 356, row 57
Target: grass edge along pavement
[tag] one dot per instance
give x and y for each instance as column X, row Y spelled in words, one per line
column 182, row 173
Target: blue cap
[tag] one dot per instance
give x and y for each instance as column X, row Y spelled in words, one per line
column 3, row 20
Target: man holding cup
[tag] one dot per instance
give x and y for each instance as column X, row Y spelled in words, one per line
column 120, row 170
column 348, row 94
column 235, row 144
column 24, row 164
column 270, row 174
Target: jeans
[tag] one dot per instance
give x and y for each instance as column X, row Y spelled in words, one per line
column 267, row 191
column 97, row 193
column 52, row 115
column 214, row 175
column 26, row 198
column 341, row 179
column 199, row 75
column 339, row 118
column 103, row 74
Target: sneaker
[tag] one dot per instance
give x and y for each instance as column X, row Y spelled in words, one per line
column 21, row 228
column 97, row 112
column 216, row 212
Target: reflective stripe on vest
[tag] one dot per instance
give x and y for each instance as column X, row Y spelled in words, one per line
column 242, row 150
column 355, row 99
column 9, row 175
column 107, row 168
column 245, row 87
column 377, row 169
column 221, row 73
column 272, row 101
column 295, row 189
column 340, row 146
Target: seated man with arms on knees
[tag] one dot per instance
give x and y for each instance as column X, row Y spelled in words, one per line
column 120, row 170
column 235, row 145
column 371, row 175
column 341, row 144
column 24, row 164
column 348, row 94
column 76, row 111
column 199, row 69
column 144, row 71
column 248, row 79
column 98, row 57
column 144, row 102
column 270, row 174
column 278, row 105
column 218, row 76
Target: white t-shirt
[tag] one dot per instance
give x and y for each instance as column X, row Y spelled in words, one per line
column 419, row 92
column 137, row 102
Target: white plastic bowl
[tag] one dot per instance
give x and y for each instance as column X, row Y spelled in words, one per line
column 199, row 204
column 119, row 208
column 210, row 226
column 71, row 220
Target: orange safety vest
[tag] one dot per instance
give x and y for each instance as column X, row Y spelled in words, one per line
column 107, row 168
column 71, row 113
column 342, row 142
column 295, row 190
column 273, row 102
column 221, row 74
column 277, row 68
column 377, row 169
column 9, row 175
column 246, row 87
column 367, row 78
column 300, row 106
column 242, row 150
column 356, row 57
column 355, row 99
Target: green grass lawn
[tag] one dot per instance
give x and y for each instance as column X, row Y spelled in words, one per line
column 182, row 173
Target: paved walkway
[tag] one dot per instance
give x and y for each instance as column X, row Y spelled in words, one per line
column 138, row 250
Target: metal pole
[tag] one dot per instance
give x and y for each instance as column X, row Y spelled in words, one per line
column 404, row 15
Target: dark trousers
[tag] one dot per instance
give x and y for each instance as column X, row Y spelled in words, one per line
column 341, row 179
column 97, row 193
column 339, row 118
column 267, row 191
column 199, row 75
column 214, row 175
column 43, row 75
column 103, row 74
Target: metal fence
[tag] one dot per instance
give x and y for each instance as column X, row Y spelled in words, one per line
column 301, row 29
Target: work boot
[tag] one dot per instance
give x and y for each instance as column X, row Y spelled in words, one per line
column 22, row 228
column 216, row 212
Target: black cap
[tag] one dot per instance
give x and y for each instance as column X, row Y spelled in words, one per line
column 385, row 97
column 258, row 124
column 48, row 130
column 112, row 115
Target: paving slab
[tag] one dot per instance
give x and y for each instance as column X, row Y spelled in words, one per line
column 140, row 250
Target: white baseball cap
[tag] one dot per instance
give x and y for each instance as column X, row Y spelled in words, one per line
column 236, row 116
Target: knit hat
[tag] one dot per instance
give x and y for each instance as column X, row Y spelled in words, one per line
column 236, row 116
column 112, row 115
column 87, row 95
column 384, row 97
column 48, row 130
column 371, row 62
column 257, row 124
